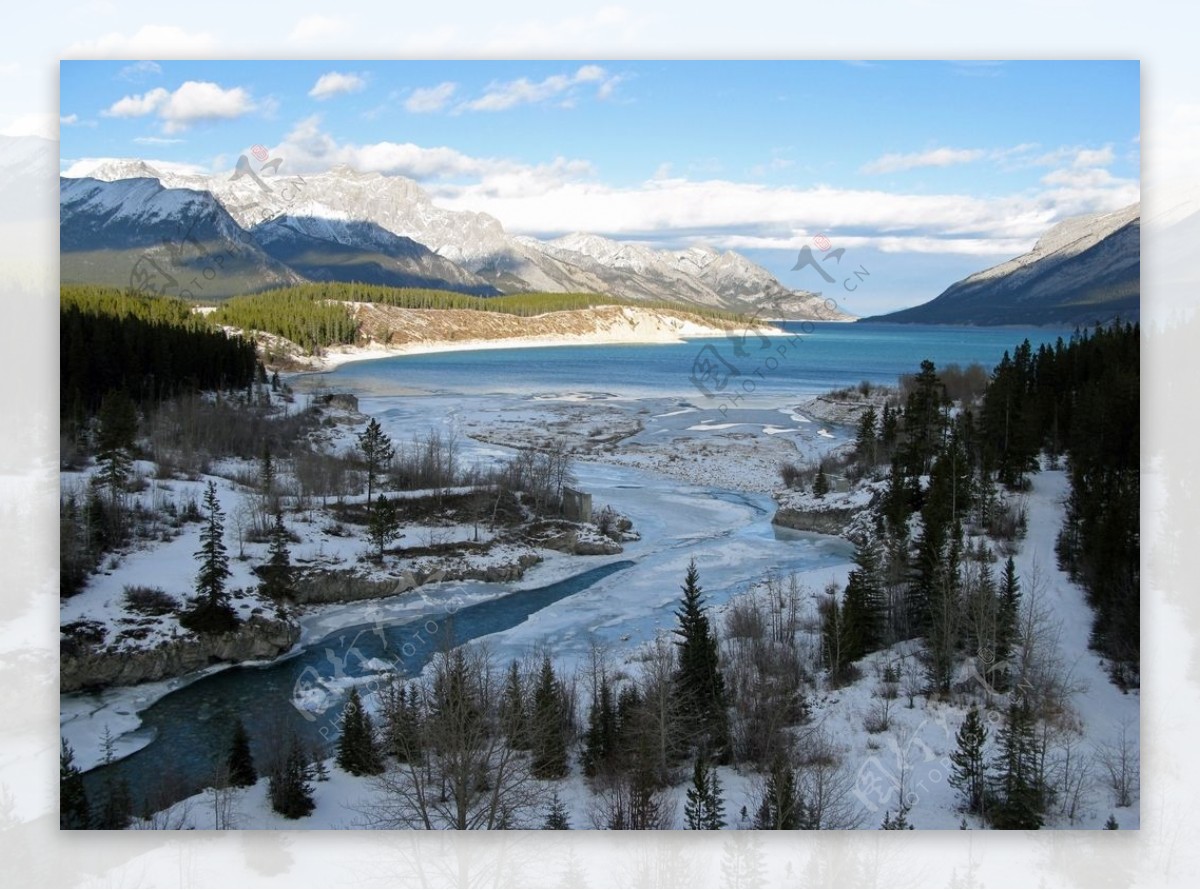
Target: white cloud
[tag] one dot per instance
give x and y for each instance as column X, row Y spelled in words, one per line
column 428, row 99
column 67, row 120
column 522, row 91
column 314, row 28
column 193, row 101
column 139, row 71
column 335, row 82
column 156, row 140
column 937, row 157
column 309, row 148
column 148, row 40
column 139, row 105
column 1100, row 157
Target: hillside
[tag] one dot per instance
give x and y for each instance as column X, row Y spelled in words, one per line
column 1083, row 270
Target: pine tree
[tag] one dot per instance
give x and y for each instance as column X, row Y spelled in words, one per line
column 212, row 612
column 698, row 681
column 866, row 441
column 705, row 809
column 1111, row 824
column 601, row 745
column 969, row 772
column 1018, row 793
column 73, row 809
column 240, row 761
column 862, row 604
column 556, row 817
column 115, row 433
column 266, row 471
column 115, row 810
column 383, row 526
column 1008, row 612
column 900, row 822
column 287, row 787
column 820, row 484
column 358, row 752
column 377, row 452
column 514, row 716
column 277, row 574
column 549, row 729
column 781, row 807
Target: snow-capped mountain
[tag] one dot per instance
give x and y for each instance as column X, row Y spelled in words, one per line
column 289, row 212
column 136, row 233
column 1083, row 270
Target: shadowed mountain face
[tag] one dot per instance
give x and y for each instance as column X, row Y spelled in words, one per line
column 1084, row 270
column 341, row 225
column 136, row 234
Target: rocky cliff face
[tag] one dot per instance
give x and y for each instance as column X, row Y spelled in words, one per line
column 255, row 640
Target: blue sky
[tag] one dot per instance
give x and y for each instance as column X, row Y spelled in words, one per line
column 923, row 171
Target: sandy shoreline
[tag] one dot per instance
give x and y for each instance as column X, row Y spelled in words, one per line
column 609, row 327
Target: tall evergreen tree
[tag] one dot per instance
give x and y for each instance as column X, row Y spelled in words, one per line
column 383, row 526
column 698, row 681
column 866, row 440
column 277, row 575
column 549, row 730
column 73, row 809
column 240, row 761
column 212, row 611
column 377, row 453
column 1008, row 611
column 969, row 771
column 1019, row 800
column 556, row 817
column 514, row 714
column 705, row 808
column 781, row 808
column 820, row 483
column 358, row 752
column 115, row 432
column 863, row 604
column 115, row 809
column 602, row 742
column 288, row 788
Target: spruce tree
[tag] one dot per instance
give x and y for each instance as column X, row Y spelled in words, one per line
column 383, row 527
column 601, row 744
column 212, row 612
column 115, row 433
column 514, row 716
column 73, row 809
column 698, row 681
column 862, row 603
column 556, row 817
column 240, row 761
column 969, row 771
column 358, row 752
column 866, row 441
column 549, row 730
column 1019, row 803
column 377, row 452
column 781, row 807
column 899, row 822
column 115, row 810
column 287, row 787
column 277, row 574
column 705, row 809
column 1008, row 612
column 1111, row 824
column 821, row 483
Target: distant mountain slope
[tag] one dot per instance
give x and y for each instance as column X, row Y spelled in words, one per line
column 478, row 244
column 330, row 249
column 134, row 233
column 1083, row 270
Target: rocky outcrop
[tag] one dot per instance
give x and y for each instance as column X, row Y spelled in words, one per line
column 256, row 640
column 352, row 586
column 833, row 521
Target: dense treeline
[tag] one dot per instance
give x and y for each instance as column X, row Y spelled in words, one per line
column 151, row 348
column 305, row 319
column 308, row 314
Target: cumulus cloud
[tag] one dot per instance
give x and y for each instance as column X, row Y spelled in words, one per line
column 523, row 91
column 937, row 157
column 193, row 101
column 335, row 83
column 67, row 120
column 139, row 71
column 424, row 100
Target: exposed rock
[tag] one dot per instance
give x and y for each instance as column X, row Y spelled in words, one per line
column 834, row 521
column 257, row 639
